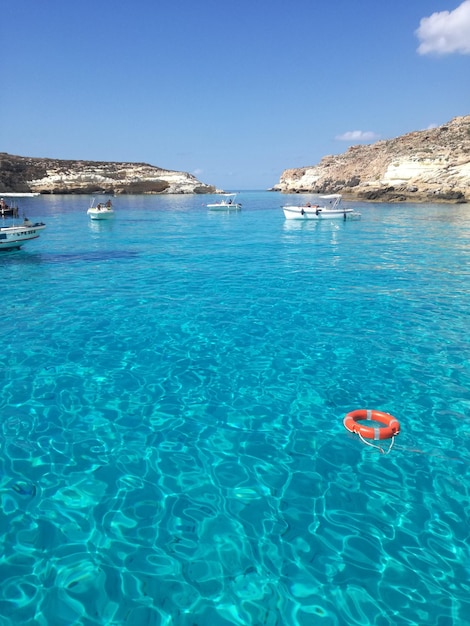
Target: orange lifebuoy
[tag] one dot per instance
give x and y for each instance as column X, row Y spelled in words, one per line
column 390, row 425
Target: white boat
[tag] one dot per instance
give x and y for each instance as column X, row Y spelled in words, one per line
column 16, row 235
column 102, row 211
column 228, row 204
column 330, row 209
column 20, row 194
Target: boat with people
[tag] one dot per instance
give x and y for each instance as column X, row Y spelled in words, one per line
column 102, row 211
column 228, row 204
column 14, row 236
column 331, row 208
column 8, row 210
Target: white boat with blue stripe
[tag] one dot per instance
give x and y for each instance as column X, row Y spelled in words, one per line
column 14, row 236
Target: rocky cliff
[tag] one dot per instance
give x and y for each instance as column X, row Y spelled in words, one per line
column 422, row 166
column 24, row 174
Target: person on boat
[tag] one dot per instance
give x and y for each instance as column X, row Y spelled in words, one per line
column 108, row 204
column 99, row 206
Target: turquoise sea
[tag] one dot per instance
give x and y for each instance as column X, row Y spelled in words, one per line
column 174, row 384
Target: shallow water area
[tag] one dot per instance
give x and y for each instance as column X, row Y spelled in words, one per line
column 174, row 383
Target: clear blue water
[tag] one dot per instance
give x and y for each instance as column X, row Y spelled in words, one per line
column 174, row 384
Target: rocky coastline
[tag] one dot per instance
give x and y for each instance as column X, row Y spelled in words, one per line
column 431, row 165
column 55, row 176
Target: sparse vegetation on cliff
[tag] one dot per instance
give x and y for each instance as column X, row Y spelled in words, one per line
column 56, row 176
column 422, row 166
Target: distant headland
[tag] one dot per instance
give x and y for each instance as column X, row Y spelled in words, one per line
column 56, row 176
column 424, row 166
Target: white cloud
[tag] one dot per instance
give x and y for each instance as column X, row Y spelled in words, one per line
column 198, row 171
column 358, row 135
column 446, row 32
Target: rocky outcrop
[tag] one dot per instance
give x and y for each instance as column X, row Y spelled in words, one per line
column 24, row 174
column 422, row 166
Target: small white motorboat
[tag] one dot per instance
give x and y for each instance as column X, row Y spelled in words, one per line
column 228, row 204
column 102, row 211
column 330, row 209
column 14, row 236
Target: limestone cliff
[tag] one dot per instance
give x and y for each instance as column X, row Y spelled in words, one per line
column 24, row 174
column 422, row 166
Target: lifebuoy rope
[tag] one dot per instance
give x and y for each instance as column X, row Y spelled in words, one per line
column 373, row 445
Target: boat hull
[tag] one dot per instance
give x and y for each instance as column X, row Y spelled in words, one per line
column 13, row 237
column 100, row 214
column 224, row 206
column 318, row 213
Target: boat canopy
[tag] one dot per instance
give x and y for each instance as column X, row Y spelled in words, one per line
column 331, row 196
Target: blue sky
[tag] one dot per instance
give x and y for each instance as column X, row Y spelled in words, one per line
column 231, row 91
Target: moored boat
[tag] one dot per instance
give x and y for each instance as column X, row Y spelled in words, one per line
column 8, row 210
column 102, row 211
column 330, row 209
column 14, row 236
column 228, row 204
column 20, row 194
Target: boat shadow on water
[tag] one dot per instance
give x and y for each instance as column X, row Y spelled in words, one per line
column 27, row 258
column 89, row 256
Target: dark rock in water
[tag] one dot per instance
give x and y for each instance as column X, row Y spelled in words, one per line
column 93, row 256
column 25, row 489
